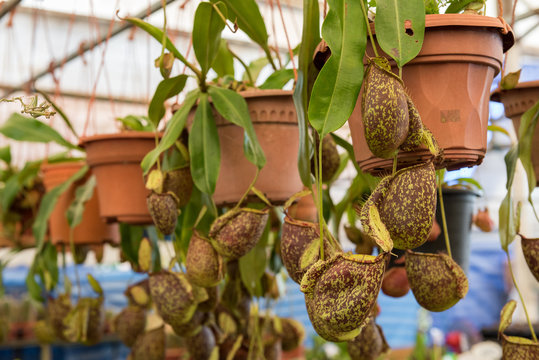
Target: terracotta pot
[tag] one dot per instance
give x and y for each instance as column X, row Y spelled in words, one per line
column 115, row 161
column 296, row 354
column 275, row 122
column 449, row 82
column 92, row 228
column 516, row 102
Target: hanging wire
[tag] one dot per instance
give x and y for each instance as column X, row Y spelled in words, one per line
column 288, row 42
column 99, row 70
column 273, row 28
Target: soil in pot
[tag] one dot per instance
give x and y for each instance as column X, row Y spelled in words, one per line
column 92, row 228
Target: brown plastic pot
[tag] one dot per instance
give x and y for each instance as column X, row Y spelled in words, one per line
column 516, row 102
column 92, row 228
column 275, row 122
column 449, row 82
column 115, row 161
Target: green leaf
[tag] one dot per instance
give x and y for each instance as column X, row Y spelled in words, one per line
column 506, row 219
column 506, row 315
column 33, row 287
column 278, row 79
column 247, row 15
column 39, row 228
column 470, row 181
column 496, row 128
column 157, row 34
column 207, row 27
column 204, row 148
column 305, row 143
column 400, row 28
column 131, row 236
column 5, row 154
column 12, row 186
column 94, row 284
column 457, row 6
column 349, row 149
column 172, row 132
column 233, row 107
column 224, row 60
column 165, row 90
column 132, row 122
column 255, row 67
column 336, row 89
column 22, row 128
column 82, row 195
column 253, row 264
column 145, row 255
column 510, row 81
column 528, row 124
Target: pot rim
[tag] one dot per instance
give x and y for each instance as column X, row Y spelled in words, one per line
column 497, row 94
column 252, row 93
column 85, row 140
column 471, row 21
column 77, row 164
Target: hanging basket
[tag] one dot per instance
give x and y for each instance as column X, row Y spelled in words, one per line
column 275, row 122
column 516, row 102
column 115, row 161
column 92, row 229
column 449, row 83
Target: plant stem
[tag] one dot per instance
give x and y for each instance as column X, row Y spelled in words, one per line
column 395, row 164
column 248, row 189
column 400, row 72
column 72, row 247
column 270, row 59
column 245, row 66
column 444, row 222
column 368, row 28
column 520, row 296
column 156, row 133
column 320, row 202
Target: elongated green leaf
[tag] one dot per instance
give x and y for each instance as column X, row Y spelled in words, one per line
column 5, row 154
column 60, row 112
column 305, row 143
column 233, row 107
column 457, row 6
column 165, row 90
column 496, row 128
column 506, row 315
column 157, row 34
column 33, row 287
column 247, row 15
column 510, row 81
column 349, row 149
column 82, row 195
column 47, row 206
column 470, row 181
column 253, row 265
column 10, row 191
column 336, row 89
column 278, row 79
column 131, row 236
column 528, row 124
column 23, row 128
column 255, row 67
column 506, row 217
column 204, row 148
column 172, row 132
column 224, row 61
column 400, row 28
column 207, row 27
column 94, row 284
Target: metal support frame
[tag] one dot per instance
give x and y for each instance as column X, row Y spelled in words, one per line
column 7, row 6
column 55, row 65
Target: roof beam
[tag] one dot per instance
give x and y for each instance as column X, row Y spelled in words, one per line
column 55, row 65
column 7, row 6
